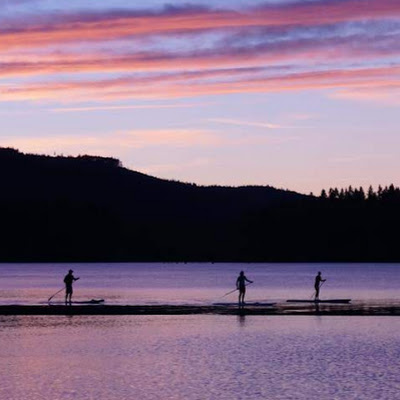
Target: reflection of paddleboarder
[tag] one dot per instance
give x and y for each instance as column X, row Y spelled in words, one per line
column 318, row 284
column 241, row 286
column 68, row 280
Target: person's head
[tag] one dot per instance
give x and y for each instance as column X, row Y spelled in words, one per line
column 241, row 273
column 70, row 271
column 319, row 272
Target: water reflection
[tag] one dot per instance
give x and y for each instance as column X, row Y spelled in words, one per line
column 241, row 319
column 198, row 357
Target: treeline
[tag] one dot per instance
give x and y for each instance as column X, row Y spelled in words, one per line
column 386, row 194
column 14, row 157
column 347, row 224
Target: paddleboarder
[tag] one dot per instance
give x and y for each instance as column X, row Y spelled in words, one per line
column 68, row 280
column 317, row 284
column 241, row 286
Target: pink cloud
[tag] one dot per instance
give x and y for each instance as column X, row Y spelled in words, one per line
column 293, row 51
column 115, row 24
column 179, row 86
column 383, row 95
column 256, row 64
column 123, row 107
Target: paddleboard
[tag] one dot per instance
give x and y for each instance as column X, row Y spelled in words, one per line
column 337, row 301
column 250, row 304
column 93, row 301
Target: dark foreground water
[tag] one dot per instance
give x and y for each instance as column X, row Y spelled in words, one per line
column 155, row 283
column 199, row 357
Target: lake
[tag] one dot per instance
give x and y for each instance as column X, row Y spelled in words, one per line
column 199, row 357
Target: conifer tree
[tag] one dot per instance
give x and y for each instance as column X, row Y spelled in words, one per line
column 371, row 194
column 361, row 193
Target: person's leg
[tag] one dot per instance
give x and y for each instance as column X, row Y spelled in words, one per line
column 243, row 295
column 68, row 294
column 316, row 292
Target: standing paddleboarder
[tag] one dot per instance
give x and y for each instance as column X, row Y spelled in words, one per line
column 68, row 280
column 241, row 286
column 317, row 285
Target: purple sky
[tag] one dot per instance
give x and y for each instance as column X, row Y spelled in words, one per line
column 295, row 94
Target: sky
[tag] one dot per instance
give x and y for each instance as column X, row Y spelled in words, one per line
column 301, row 95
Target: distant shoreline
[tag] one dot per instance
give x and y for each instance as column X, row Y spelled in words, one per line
column 280, row 309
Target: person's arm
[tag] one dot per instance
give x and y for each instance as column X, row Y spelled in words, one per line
column 75, row 279
column 248, row 280
column 237, row 283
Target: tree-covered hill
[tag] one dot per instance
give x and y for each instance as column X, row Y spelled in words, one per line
column 92, row 209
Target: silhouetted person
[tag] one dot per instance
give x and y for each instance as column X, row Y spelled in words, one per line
column 241, row 286
column 317, row 284
column 68, row 280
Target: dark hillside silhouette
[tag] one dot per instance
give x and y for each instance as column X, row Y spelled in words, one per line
column 90, row 208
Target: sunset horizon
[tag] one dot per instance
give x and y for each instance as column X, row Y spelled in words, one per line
column 301, row 95
column 199, row 199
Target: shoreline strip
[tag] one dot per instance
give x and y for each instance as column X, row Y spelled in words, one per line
column 278, row 309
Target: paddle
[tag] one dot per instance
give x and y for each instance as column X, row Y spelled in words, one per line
column 314, row 292
column 234, row 290
column 55, row 294
column 58, row 292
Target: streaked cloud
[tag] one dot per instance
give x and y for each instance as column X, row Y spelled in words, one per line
column 109, row 54
column 174, row 86
column 123, row 107
column 236, row 122
column 114, row 24
column 380, row 95
column 282, row 54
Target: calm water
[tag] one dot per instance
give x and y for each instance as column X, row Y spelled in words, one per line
column 197, row 283
column 199, row 358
